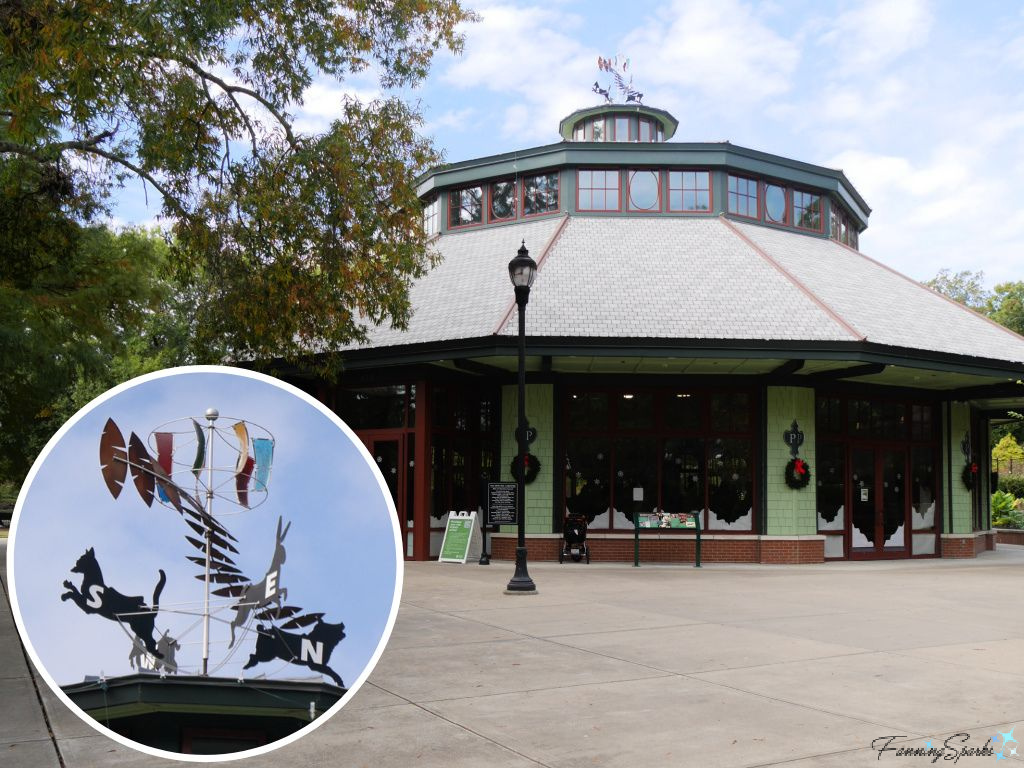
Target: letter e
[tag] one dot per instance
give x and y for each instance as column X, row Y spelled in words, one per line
column 271, row 585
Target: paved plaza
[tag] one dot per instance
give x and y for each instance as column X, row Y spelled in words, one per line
column 609, row 665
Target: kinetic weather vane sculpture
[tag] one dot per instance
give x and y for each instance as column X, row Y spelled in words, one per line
column 612, row 66
column 185, row 457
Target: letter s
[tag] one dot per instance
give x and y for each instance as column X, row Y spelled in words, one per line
column 95, row 596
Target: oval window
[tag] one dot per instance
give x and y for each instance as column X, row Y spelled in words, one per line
column 775, row 203
column 643, row 190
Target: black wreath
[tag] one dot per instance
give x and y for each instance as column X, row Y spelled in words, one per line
column 798, row 473
column 969, row 474
column 532, row 467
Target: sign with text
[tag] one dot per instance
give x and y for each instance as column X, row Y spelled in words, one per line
column 457, row 535
column 501, row 504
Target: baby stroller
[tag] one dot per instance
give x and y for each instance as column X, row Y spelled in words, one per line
column 574, row 537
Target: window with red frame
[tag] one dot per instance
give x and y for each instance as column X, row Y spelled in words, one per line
column 598, row 190
column 540, row 194
column 743, row 196
column 689, row 191
column 503, row 200
column 807, row 210
column 644, row 191
column 465, row 207
column 622, row 128
column 776, row 204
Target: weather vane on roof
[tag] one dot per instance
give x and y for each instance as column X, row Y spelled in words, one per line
column 617, row 67
column 179, row 470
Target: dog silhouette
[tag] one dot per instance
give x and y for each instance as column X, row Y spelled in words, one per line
column 95, row 596
column 311, row 650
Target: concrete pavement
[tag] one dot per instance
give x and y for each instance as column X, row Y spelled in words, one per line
column 609, row 665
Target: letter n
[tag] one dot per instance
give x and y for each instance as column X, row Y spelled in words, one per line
column 310, row 650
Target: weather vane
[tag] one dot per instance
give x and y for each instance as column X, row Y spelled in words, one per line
column 617, row 67
column 185, row 475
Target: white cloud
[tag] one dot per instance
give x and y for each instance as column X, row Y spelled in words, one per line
column 526, row 55
column 322, row 104
column 721, row 49
column 873, row 34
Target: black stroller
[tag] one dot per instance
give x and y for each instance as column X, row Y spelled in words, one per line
column 574, row 539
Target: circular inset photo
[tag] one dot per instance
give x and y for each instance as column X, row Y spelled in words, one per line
column 205, row 563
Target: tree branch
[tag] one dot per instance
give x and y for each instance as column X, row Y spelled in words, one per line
column 230, row 90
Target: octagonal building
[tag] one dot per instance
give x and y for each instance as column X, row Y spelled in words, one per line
column 702, row 327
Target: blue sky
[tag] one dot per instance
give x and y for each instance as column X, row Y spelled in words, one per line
column 918, row 102
column 342, row 558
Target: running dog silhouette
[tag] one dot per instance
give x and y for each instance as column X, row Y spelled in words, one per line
column 265, row 591
column 311, row 650
column 96, row 597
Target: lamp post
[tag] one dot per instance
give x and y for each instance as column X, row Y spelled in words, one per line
column 522, row 269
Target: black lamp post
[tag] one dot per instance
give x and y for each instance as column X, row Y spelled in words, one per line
column 522, row 269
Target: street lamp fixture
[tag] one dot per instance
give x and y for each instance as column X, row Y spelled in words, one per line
column 522, row 269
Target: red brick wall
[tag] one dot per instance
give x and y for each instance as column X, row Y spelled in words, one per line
column 958, row 547
column 675, row 550
column 1009, row 537
column 798, row 552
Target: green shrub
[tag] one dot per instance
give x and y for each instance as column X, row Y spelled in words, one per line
column 1012, row 484
column 1002, row 503
column 1006, row 511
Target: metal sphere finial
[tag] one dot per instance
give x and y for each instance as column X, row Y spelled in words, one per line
column 212, row 414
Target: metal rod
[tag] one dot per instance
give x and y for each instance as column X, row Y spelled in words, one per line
column 209, row 536
column 521, row 581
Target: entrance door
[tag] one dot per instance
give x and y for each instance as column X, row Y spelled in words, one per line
column 878, row 523
column 393, row 461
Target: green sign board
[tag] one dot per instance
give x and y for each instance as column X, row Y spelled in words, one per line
column 457, row 535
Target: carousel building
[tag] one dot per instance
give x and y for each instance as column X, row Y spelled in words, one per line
column 704, row 339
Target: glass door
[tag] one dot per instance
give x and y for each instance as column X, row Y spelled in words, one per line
column 878, row 522
column 388, row 455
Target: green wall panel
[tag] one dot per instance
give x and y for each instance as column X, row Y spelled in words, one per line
column 960, row 503
column 540, row 400
column 790, row 512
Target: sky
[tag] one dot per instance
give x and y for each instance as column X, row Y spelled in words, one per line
column 919, row 103
column 342, row 552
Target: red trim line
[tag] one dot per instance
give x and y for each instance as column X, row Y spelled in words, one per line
column 793, row 279
column 540, row 263
column 989, row 320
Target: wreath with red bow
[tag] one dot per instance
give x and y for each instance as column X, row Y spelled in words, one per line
column 970, row 475
column 532, row 465
column 798, row 473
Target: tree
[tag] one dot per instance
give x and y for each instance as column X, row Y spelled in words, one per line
column 295, row 239
column 1007, row 450
column 1006, row 306
column 964, row 287
column 69, row 296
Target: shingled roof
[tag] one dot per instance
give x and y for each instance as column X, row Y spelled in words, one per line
column 685, row 278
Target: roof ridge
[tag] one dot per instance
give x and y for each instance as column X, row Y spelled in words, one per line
column 848, row 327
column 1016, row 336
column 540, row 262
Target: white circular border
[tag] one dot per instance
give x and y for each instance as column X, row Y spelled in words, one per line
column 399, row 562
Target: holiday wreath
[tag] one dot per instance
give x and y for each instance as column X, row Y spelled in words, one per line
column 969, row 475
column 532, row 464
column 798, row 473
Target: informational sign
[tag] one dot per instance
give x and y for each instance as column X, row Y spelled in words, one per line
column 457, row 535
column 501, row 504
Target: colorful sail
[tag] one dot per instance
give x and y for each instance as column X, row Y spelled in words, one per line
column 164, row 457
column 242, row 482
column 197, row 465
column 263, row 449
